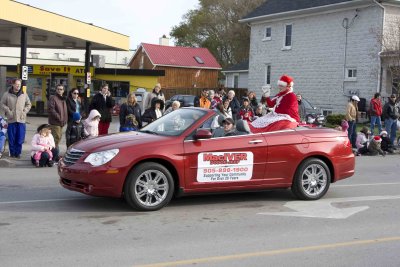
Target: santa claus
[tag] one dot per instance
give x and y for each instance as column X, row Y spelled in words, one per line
column 285, row 113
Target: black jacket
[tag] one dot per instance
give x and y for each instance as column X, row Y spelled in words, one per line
column 71, row 107
column 74, row 133
column 149, row 114
column 103, row 106
column 389, row 111
column 129, row 109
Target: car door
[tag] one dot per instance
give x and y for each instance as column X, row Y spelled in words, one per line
column 231, row 162
column 285, row 152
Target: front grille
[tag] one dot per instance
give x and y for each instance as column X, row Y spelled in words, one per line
column 72, row 156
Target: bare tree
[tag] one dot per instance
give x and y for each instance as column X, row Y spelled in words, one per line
column 389, row 39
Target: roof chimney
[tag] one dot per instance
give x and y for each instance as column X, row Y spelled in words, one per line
column 164, row 40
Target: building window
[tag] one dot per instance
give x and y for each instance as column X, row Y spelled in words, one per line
column 327, row 112
column 288, row 36
column 267, row 74
column 235, row 81
column 351, row 74
column 199, row 60
column 267, row 34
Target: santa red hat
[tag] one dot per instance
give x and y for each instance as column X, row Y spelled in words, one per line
column 285, row 80
column 377, row 138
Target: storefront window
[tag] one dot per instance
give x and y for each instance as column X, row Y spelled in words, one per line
column 117, row 89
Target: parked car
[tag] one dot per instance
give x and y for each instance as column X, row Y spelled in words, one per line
column 185, row 100
column 310, row 108
column 115, row 109
column 178, row 155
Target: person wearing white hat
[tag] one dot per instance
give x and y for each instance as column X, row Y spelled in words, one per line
column 351, row 117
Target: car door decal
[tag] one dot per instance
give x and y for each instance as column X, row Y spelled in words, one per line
column 224, row 166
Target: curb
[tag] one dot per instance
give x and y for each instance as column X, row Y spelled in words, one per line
column 12, row 163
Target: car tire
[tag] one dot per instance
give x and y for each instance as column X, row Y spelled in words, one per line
column 312, row 179
column 149, row 187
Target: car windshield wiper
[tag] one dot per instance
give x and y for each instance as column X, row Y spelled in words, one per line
column 148, row 131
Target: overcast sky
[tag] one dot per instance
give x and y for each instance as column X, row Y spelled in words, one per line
column 144, row 21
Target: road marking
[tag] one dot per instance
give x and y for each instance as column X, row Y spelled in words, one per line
column 41, row 200
column 322, row 208
column 349, row 185
column 272, row 252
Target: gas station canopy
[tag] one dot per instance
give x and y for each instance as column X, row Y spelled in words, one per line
column 50, row 30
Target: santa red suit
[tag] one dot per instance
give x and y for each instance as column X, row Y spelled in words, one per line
column 285, row 102
column 286, row 111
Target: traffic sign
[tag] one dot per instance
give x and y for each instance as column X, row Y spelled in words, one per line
column 24, row 75
column 88, row 78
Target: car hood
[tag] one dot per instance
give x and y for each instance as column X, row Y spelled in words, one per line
column 117, row 140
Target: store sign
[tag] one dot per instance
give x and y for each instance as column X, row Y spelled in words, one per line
column 49, row 69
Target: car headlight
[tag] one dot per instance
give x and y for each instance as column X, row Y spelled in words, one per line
column 102, row 157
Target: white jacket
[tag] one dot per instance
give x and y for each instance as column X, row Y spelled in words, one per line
column 39, row 143
column 91, row 127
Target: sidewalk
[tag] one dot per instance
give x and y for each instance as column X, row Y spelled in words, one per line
column 31, row 125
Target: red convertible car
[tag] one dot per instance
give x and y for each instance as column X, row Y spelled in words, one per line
column 177, row 155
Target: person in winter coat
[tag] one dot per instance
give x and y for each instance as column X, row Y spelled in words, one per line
column 285, row 102
column 259, row 112
column 234, row 104
column 74, row 104
column 157, row 93
column 174, row 106
column 391, row 114
column 362, row 141
column 75, row 131
column 58, row 114
column 44, row 149
column 302, row 108
column 15, row 105
column 374, row 147
column 204, row 101
column 375, row 112
column 131, row 107
column 246, row 112
column 253, row 100
column 153, row 113
column 131, row 124
column 351, row 117
column 103, row 103
column 386, row 145
column 91, row 124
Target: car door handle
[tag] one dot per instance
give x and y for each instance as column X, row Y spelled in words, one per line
column 255, row 141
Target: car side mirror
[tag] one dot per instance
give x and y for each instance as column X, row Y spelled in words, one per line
column 203, row 134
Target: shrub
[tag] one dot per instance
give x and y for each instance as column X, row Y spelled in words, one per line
column 335, row 119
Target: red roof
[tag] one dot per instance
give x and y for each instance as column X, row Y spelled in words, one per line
column 178, row 56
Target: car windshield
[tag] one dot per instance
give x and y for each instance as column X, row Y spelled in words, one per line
column 174, row 123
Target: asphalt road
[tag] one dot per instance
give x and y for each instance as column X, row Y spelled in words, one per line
column 355, row 224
